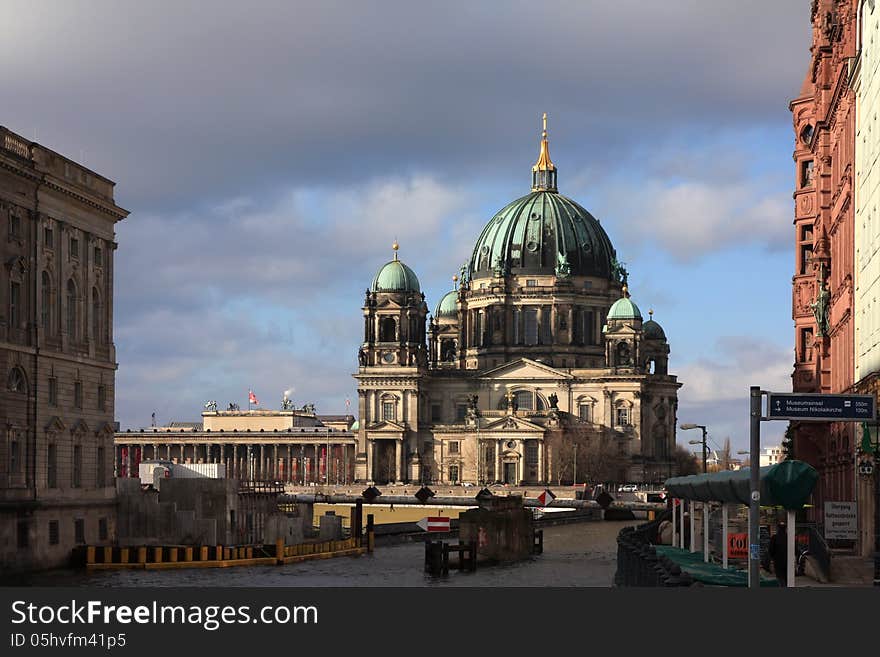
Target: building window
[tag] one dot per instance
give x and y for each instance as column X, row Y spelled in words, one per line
column 14, row 304
column 531, row 282
column 454, row 447
column 52, row 466
column 45, row 301
column 48, row 238
column 102, row 398
column 806, row 173
column 453, row 473
column 99, row 257
column 77, row 394
column 460, row 412
column 588, row 334
column 14, row 226
column 388, row 411
column 97, row 309
column 436, row 412
column 524, row 400
column 53, row 532
column 14, row 455
column 531, row 326
column 621, row 417
column 79, row 531
column 806, row 346
column 53, row 391
column 100, row 469
column 23, row 530
column 585, row 412
column 546, row 328
column 531, row 452
column 71, row 309
column 74, row 248
column 76, row 479
column 102, row 529
column 16, row 381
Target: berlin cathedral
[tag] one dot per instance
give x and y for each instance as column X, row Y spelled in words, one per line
column 537, row 368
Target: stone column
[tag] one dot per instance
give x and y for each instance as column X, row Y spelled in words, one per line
column 498, row 447
column 571, row 331
column 397, row 455
column 168, row 451
column 554, row 328
column 288, row 470
column 541, row 477
column 248, row 469
column 370, row 447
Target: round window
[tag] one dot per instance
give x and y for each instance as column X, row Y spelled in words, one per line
column 532, row 246
column 484, row 249
column 511, row 444
column 388, row 357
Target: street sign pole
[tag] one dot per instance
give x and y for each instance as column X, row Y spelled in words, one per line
column 754, row 485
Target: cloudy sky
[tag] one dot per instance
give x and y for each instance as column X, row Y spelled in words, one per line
column 270, row 152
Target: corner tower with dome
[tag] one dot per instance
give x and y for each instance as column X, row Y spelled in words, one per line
column 538, row 348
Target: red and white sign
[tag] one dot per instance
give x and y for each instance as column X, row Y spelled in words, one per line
column 434, row 524
column 737, row 545
column 546, row 497
column 252, row 398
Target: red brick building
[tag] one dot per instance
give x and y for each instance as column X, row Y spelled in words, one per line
column 822, row 286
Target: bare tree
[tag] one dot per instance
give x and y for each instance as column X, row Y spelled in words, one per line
column 685, row 462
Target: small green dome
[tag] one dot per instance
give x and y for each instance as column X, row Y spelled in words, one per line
column 356, row 426
column 395, row 277
column 448, row 306
column 653, row 331
column 624, row 309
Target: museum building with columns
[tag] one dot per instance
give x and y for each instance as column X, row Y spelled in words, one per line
column 537, row 366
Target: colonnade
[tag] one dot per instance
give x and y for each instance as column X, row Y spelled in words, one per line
column 298, row 463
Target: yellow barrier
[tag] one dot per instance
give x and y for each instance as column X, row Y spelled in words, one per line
column 90, row 554
column 157, row 555
column 142, row 555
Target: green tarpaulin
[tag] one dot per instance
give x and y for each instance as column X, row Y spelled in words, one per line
column 787, row 484
column 709, row 573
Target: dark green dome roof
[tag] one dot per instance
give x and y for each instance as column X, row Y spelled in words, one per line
column 624, row 308
column 653, row 331
column 395, row 277
column 543, row 233
column 448, row 306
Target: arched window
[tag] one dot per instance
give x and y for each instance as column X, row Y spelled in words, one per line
column 71, row 309
column 16, row 381
column 96, row 316
column 387, row 329
column 45, row 301
column 524, row 400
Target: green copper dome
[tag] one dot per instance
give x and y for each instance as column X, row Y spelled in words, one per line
column 395, row 277
column 624, row 309
column 448, row 306
column 653, row 331
column 543, row 233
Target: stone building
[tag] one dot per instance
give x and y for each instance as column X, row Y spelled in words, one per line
column 866, row 86
column 538, row 360
column 822, row 295
column 288, row 445
column 57, row 359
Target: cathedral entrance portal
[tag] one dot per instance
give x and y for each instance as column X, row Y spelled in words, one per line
column 510, row 473
column 385, row 467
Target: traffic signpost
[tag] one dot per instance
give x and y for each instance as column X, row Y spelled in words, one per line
column 802, row 407
column 819, row 408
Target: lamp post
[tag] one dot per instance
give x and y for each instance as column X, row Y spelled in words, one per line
column 698, row 442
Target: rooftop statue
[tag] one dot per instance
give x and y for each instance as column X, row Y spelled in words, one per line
column 211, row 405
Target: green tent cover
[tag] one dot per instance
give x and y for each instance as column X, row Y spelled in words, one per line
column 787, row 484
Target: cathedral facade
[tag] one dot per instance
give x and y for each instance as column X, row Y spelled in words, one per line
column 537, row 367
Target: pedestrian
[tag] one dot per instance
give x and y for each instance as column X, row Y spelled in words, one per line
column 779, row 553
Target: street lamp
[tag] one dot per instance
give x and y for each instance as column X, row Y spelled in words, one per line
column 702, row 442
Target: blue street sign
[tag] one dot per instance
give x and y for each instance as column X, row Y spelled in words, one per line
column 755, row 551
column 819, row 408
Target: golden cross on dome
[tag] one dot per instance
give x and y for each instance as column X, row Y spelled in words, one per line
column 545, row 124
column 395, row 246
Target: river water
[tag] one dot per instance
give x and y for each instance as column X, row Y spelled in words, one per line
column 580, row 554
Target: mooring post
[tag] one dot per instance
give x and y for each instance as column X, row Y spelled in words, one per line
column 357, row 521
column 370, row 533
column 473, row 556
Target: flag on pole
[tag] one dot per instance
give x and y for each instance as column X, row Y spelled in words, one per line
column 252, row 398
